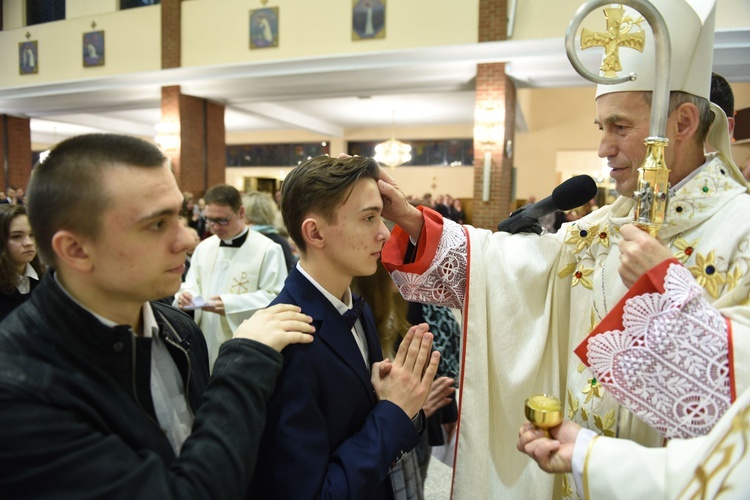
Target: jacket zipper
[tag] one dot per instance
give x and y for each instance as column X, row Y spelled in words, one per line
column 168, row 338
column 132, row 374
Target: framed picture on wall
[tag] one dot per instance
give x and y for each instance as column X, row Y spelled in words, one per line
column 93, row 49
column 264, row 28
column 28, row 58
column 368, row 19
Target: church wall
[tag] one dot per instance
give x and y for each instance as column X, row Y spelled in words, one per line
column 132, row 44
column 80, row 8
column 12, row 14
column 558, row 119
column 217, row 32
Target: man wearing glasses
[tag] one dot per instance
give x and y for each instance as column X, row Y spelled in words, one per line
column 233, row 273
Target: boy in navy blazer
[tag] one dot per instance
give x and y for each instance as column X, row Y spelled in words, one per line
column 340, row 416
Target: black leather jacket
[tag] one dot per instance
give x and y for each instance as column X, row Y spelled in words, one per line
column 77, row 419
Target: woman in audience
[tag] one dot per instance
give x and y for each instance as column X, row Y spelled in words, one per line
column 260, row 213
column 458, row 212
column 20, row 268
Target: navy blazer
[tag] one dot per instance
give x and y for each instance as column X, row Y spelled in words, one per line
column 326, row 434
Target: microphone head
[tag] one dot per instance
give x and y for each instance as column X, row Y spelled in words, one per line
column 574, row 192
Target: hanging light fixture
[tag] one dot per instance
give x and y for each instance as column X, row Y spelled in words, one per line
column 168, row 136
column 489, row 129
column 392, row 152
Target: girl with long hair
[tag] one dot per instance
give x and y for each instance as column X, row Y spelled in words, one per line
column 20, row 267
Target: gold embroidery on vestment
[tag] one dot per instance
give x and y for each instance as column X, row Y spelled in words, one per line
column 239, row 284
column 706, row 273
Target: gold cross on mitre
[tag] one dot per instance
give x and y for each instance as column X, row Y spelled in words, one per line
column 618, row 35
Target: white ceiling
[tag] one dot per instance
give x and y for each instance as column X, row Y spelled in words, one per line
column 322, row 95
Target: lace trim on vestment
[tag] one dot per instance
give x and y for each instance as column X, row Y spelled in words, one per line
column 669, row 365
column 444, row 282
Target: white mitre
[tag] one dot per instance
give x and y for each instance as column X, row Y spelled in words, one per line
column 690, row 24
column 691, row 29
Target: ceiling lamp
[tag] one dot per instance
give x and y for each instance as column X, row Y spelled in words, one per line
column 392, row 152
column 168, row 136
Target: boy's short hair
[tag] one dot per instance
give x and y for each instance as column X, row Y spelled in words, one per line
column 224, row 194
column 320, row 186
column 66, row 190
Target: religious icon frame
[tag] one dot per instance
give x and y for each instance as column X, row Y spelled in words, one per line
column 264, row 28
column 28, row 57
column 368, row 26
column 93, row 50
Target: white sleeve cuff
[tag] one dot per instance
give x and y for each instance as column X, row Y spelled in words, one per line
column 579, row 457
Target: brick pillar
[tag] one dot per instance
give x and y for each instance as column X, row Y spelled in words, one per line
column 171, row 13
column 493, row 90
column 15, row 151
column 216, row 144
column 199, row 161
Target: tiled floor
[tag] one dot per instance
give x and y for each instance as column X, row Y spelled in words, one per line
column 437, row 486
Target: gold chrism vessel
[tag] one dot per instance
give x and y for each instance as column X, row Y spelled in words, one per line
column 544, row 411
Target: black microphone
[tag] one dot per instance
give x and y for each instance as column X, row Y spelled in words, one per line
column 572, row 193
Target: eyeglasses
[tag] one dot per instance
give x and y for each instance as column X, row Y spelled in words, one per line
column 222, row 222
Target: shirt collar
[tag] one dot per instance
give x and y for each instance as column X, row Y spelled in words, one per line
column 240, row 235
column 149, row 320
column 30, row 272
column 340, row 306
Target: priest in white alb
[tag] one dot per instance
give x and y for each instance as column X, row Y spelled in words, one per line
column 236, row 271
column 676, row 357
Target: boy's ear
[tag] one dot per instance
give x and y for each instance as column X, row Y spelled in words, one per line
column 71, row 250
column 312, row 234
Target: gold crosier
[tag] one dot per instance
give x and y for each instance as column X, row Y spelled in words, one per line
column 543, row 410
column 652, row 193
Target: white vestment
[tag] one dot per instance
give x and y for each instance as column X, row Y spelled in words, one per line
column 247, row 279
column 712, row 466
column 529, row 301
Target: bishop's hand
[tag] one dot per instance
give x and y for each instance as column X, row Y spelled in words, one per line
column 639, row 253
column 552, row 455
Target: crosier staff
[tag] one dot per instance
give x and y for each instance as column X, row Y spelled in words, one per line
column 652, row 193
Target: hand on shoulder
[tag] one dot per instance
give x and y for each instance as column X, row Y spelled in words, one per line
column 277, row 327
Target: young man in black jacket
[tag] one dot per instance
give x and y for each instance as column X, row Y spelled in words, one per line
column 104, row 394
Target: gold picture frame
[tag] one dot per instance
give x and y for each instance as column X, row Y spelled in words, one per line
column 264, row 28
column 93, row 49
column 28, row 58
